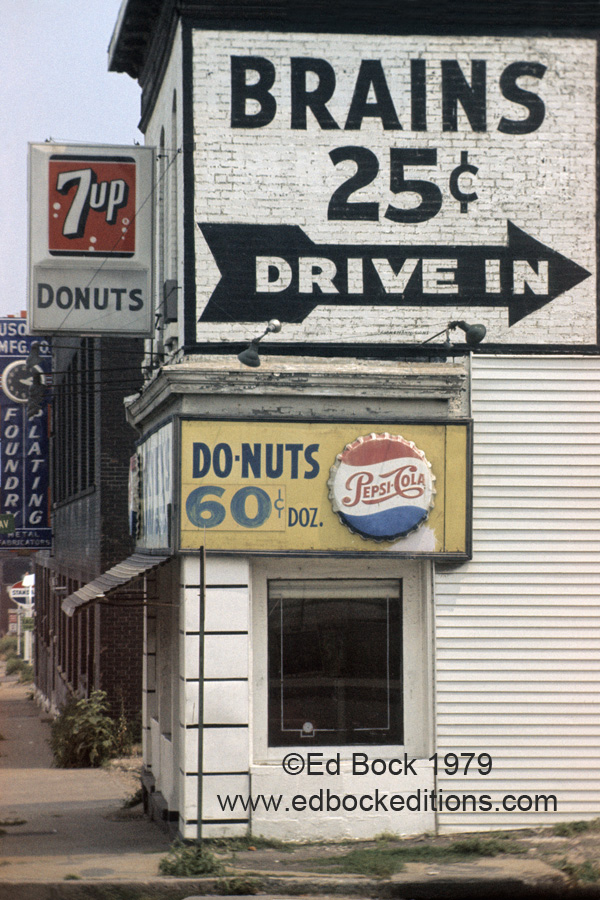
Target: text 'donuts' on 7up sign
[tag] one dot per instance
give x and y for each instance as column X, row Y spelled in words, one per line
column 372, row 188
column 326, row 487
column 90, row 239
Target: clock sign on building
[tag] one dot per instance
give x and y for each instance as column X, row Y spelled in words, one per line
column 370, row 188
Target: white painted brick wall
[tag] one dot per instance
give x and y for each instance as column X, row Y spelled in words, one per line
column 544, row 182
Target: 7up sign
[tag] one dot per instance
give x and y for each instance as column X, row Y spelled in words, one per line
column 90, row 239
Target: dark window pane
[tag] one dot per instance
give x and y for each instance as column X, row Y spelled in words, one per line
column 335, row 663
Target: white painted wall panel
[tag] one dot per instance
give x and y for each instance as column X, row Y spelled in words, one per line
column 281, row 175
column 226, row 750
column 517, row 629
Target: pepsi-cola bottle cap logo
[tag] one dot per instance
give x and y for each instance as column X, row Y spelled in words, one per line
column 382, row 487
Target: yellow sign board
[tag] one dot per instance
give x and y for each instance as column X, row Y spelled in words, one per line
column 329, row 487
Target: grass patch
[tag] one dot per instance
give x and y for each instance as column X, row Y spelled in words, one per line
column 26, row 674
column 8, row 646
column 185, row 860
column 385, row 860
column 16, row 666
column 7, row 823
column 238, row 886
column 249, row 842
column 570, row 829
column 70, row 877
column 581, row 873
column 492, row 846
column 384, row 837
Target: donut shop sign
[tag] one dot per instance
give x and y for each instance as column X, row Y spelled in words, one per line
column 326, row 487
column 90, row 239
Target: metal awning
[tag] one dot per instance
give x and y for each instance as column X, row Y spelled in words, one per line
column 121, row 574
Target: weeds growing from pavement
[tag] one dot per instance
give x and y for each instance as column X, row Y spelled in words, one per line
column 580, row 873
column 127, row 733
column 249, row 842
column 185, row 860
column 83, row 734
column 569, row 829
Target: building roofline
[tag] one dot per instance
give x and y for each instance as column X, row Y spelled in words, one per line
column 138, row 20
column 132, row 35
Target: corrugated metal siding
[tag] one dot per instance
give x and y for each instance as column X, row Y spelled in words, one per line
column 518, row 628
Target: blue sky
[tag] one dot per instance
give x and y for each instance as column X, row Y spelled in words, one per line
column 54, row 84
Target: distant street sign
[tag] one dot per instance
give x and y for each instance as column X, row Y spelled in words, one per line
column 7, row 523
column 21, row 593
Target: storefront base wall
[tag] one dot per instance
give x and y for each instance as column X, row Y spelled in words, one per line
column 223, row 706
column 232, row 741
column 344, row 805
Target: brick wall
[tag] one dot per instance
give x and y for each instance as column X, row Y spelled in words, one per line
column 120, row 368
column 90, row 535
column 121, row 645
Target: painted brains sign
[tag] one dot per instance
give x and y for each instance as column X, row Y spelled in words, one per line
column 369, row 188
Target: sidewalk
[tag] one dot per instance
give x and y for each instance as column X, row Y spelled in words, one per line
column 68, row 836
column 67, row 822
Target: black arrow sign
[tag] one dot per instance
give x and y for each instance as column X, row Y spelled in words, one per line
column 523, row 276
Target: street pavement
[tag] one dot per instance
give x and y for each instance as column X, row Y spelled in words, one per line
column 68, row 835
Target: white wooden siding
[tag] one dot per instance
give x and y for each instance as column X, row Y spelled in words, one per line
column 517, row 629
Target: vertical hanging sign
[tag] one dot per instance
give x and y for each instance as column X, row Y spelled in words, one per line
column 24, row 442
column 90, row 239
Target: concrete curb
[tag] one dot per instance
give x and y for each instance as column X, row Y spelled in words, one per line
column 441, row 888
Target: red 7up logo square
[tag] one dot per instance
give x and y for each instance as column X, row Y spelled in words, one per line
column 91, row 206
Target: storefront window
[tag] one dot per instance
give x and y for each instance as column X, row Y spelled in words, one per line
column 335, row 662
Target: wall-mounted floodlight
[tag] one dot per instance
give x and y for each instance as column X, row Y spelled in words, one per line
column 474, row 334
column 249, row 356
